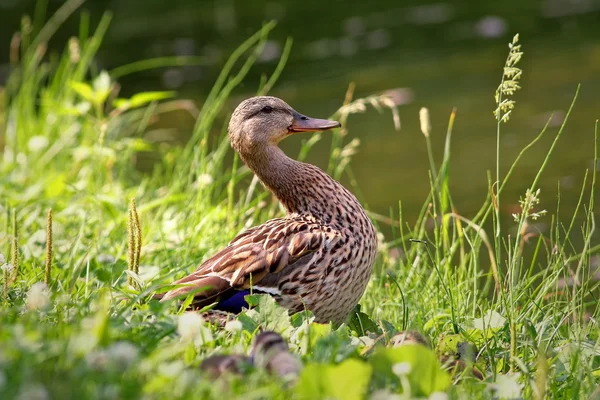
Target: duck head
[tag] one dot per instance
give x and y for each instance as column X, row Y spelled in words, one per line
column 264, row 120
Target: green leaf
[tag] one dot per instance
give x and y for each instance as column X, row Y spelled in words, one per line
column 491, row 320
column 56, row 186
column 248, row 323
column 361, row 323
column 139, row 145
column 425, row 373
column 141, row 99
column 83, row 89
column 346, row 381
column 333, row 347
column 270, row 315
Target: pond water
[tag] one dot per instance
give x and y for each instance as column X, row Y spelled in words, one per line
column 442, row 55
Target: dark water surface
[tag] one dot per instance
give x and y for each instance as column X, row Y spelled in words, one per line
column 446, row 54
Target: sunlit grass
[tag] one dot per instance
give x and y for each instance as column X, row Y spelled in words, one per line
column 76, row 319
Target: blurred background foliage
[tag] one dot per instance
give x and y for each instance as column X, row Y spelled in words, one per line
column 435, row 54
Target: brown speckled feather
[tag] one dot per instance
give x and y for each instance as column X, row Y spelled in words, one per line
column 281, row 243
column 320, row 256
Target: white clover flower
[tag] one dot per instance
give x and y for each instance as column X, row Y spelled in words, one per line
column 191, row 328
column 38, row 297
column 233, row 326
column 203, row 180
column 37, row 143
column 7, row 267
column 123, row 353
column 401, row 369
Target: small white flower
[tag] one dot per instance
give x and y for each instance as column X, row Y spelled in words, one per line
column 2, row 259
column 38, row 297
column 203, row 180
column 233, row 326
column 37, row 143
column 191, row 328
column 123, row 353
column 401, row 369
column 7, row 267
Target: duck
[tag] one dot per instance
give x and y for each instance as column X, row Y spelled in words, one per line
column 318, row 257
column 269, row 352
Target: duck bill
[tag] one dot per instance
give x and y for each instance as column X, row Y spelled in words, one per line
column 303, row 123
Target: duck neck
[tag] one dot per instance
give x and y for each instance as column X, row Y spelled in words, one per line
column 283, row 176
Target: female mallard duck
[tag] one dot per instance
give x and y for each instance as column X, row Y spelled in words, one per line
column 319, row 257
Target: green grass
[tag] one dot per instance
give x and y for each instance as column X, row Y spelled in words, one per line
column 70, row 145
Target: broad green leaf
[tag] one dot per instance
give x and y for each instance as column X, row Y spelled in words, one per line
column 346, row 381
column 248, row 323
column 333, row 347
column 425, row 374
column 56, row 186
column 491, row 320
column 271, row 315
column 361, row 323
column 84, row 90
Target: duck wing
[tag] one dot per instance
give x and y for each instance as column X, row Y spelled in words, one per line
column 254, row 254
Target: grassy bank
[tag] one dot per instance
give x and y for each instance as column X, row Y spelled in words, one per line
column 76, row 320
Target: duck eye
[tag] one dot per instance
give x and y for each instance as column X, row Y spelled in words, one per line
column 267, row 109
